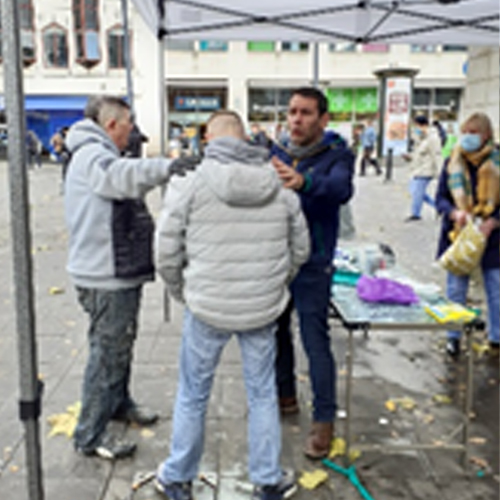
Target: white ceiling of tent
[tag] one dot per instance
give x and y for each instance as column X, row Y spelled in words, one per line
column 464, row 22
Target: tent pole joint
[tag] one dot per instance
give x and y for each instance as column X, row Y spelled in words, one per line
column 31, row 410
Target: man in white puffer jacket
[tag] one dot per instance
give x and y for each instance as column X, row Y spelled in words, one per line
column 229, row 240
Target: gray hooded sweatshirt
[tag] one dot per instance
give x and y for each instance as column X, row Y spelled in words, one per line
column 110, row 228
column 230, row 238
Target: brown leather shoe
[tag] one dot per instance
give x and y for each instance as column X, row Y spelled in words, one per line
column 319, row 441
column 289, row 406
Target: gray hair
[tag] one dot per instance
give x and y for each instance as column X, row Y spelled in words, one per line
column 101, row 108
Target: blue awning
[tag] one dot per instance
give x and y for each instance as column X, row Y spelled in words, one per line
column 51, row 102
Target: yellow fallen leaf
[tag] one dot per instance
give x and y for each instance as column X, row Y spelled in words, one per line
column 390, row 405
column 311, row 480
column 147, row 433
column 337, row 448
column 480, row 348
column 407, row 403
column 55, row 290
column 354, row 455
column 442, row 399
column 14, row 468
column 65, row 423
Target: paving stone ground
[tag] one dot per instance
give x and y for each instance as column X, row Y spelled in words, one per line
column 387, row 365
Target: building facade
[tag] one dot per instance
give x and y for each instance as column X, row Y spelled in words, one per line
column 75, row 48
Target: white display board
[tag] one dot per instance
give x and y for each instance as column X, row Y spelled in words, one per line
column 397, row 114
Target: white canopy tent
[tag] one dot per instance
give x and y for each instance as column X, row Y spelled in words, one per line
column 463, row 22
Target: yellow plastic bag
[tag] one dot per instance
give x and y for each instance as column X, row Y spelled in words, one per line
column 464, row 254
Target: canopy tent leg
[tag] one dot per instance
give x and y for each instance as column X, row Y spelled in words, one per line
column 30, row 387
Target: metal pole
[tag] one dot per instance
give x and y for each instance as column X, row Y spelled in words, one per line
column 21, row 247
column 163, row 149
column 126, row 54
column 316, row 65
column 161, row 84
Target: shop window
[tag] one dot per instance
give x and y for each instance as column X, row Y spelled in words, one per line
column 55, row 46
column 294, row 46
column 116, row 47
column 455, row 48
column 375, row 47
column 27, row 31
column 448, row 97
column 421, row 97
column 365, row 104
column 180, row 45
column 213, row 46
column 86, row 26
column 268, row 105
column 261, row 46
column 418, row 49
column 342, row 47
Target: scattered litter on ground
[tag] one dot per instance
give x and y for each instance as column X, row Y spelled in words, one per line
column 311, row 480
column 65, row 423
column 55, row 290
column 443, row 399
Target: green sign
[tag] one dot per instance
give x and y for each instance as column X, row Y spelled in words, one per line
column 365, row 100
column 339, row 100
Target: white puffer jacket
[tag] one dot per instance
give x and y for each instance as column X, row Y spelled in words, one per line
column 230, row 238
column 426, row 160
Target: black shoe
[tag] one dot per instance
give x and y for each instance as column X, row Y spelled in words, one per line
column 289, row 406
column 139, row 415
column 412, row 218
column 453, row 348
column 284, row 489
column 111, row 448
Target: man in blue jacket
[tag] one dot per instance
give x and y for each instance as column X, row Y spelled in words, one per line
column 318, row 165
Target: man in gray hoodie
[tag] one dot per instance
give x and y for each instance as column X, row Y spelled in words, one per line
column 229, row 240
column 110, row 258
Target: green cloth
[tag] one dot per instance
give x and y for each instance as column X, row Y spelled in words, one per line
column 451, row 140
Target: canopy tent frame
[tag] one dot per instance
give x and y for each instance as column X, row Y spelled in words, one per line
column 30, row 396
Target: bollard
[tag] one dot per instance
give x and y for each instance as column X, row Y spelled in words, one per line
column 388, row 166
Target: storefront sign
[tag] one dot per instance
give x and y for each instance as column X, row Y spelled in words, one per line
column 397, row 114
column 201, row 103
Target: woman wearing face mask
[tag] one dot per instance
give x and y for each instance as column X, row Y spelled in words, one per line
column 425, row 161
column 469, row 188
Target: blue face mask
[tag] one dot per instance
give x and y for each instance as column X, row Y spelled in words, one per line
column 418, row 132
column 470, row 142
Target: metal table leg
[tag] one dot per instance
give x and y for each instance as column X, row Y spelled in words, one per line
column 348, row 392
column 468, row 394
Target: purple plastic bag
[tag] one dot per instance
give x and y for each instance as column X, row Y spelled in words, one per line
column 385, row 291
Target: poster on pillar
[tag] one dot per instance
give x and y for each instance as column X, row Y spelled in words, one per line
column 397, row 115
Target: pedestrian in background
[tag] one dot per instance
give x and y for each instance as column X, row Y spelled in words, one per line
column 425, row 162
column 368, row 143
column 469, row 188
column 229, row 240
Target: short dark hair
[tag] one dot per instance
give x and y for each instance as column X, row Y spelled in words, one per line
column 313, row 93
column 421, row 120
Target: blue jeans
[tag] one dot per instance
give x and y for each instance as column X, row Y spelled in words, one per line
column 456, row 290
column 201, row 349
column 112, row 332
column 311, row 292
column 418, row 190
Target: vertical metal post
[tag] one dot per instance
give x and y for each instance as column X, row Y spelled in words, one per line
column 316, row 65
column 469, row 388
column 127, row 56
column 162, row 96
column 163, row 139
column 388, row 165
column 348, row 396
column 21, row 247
